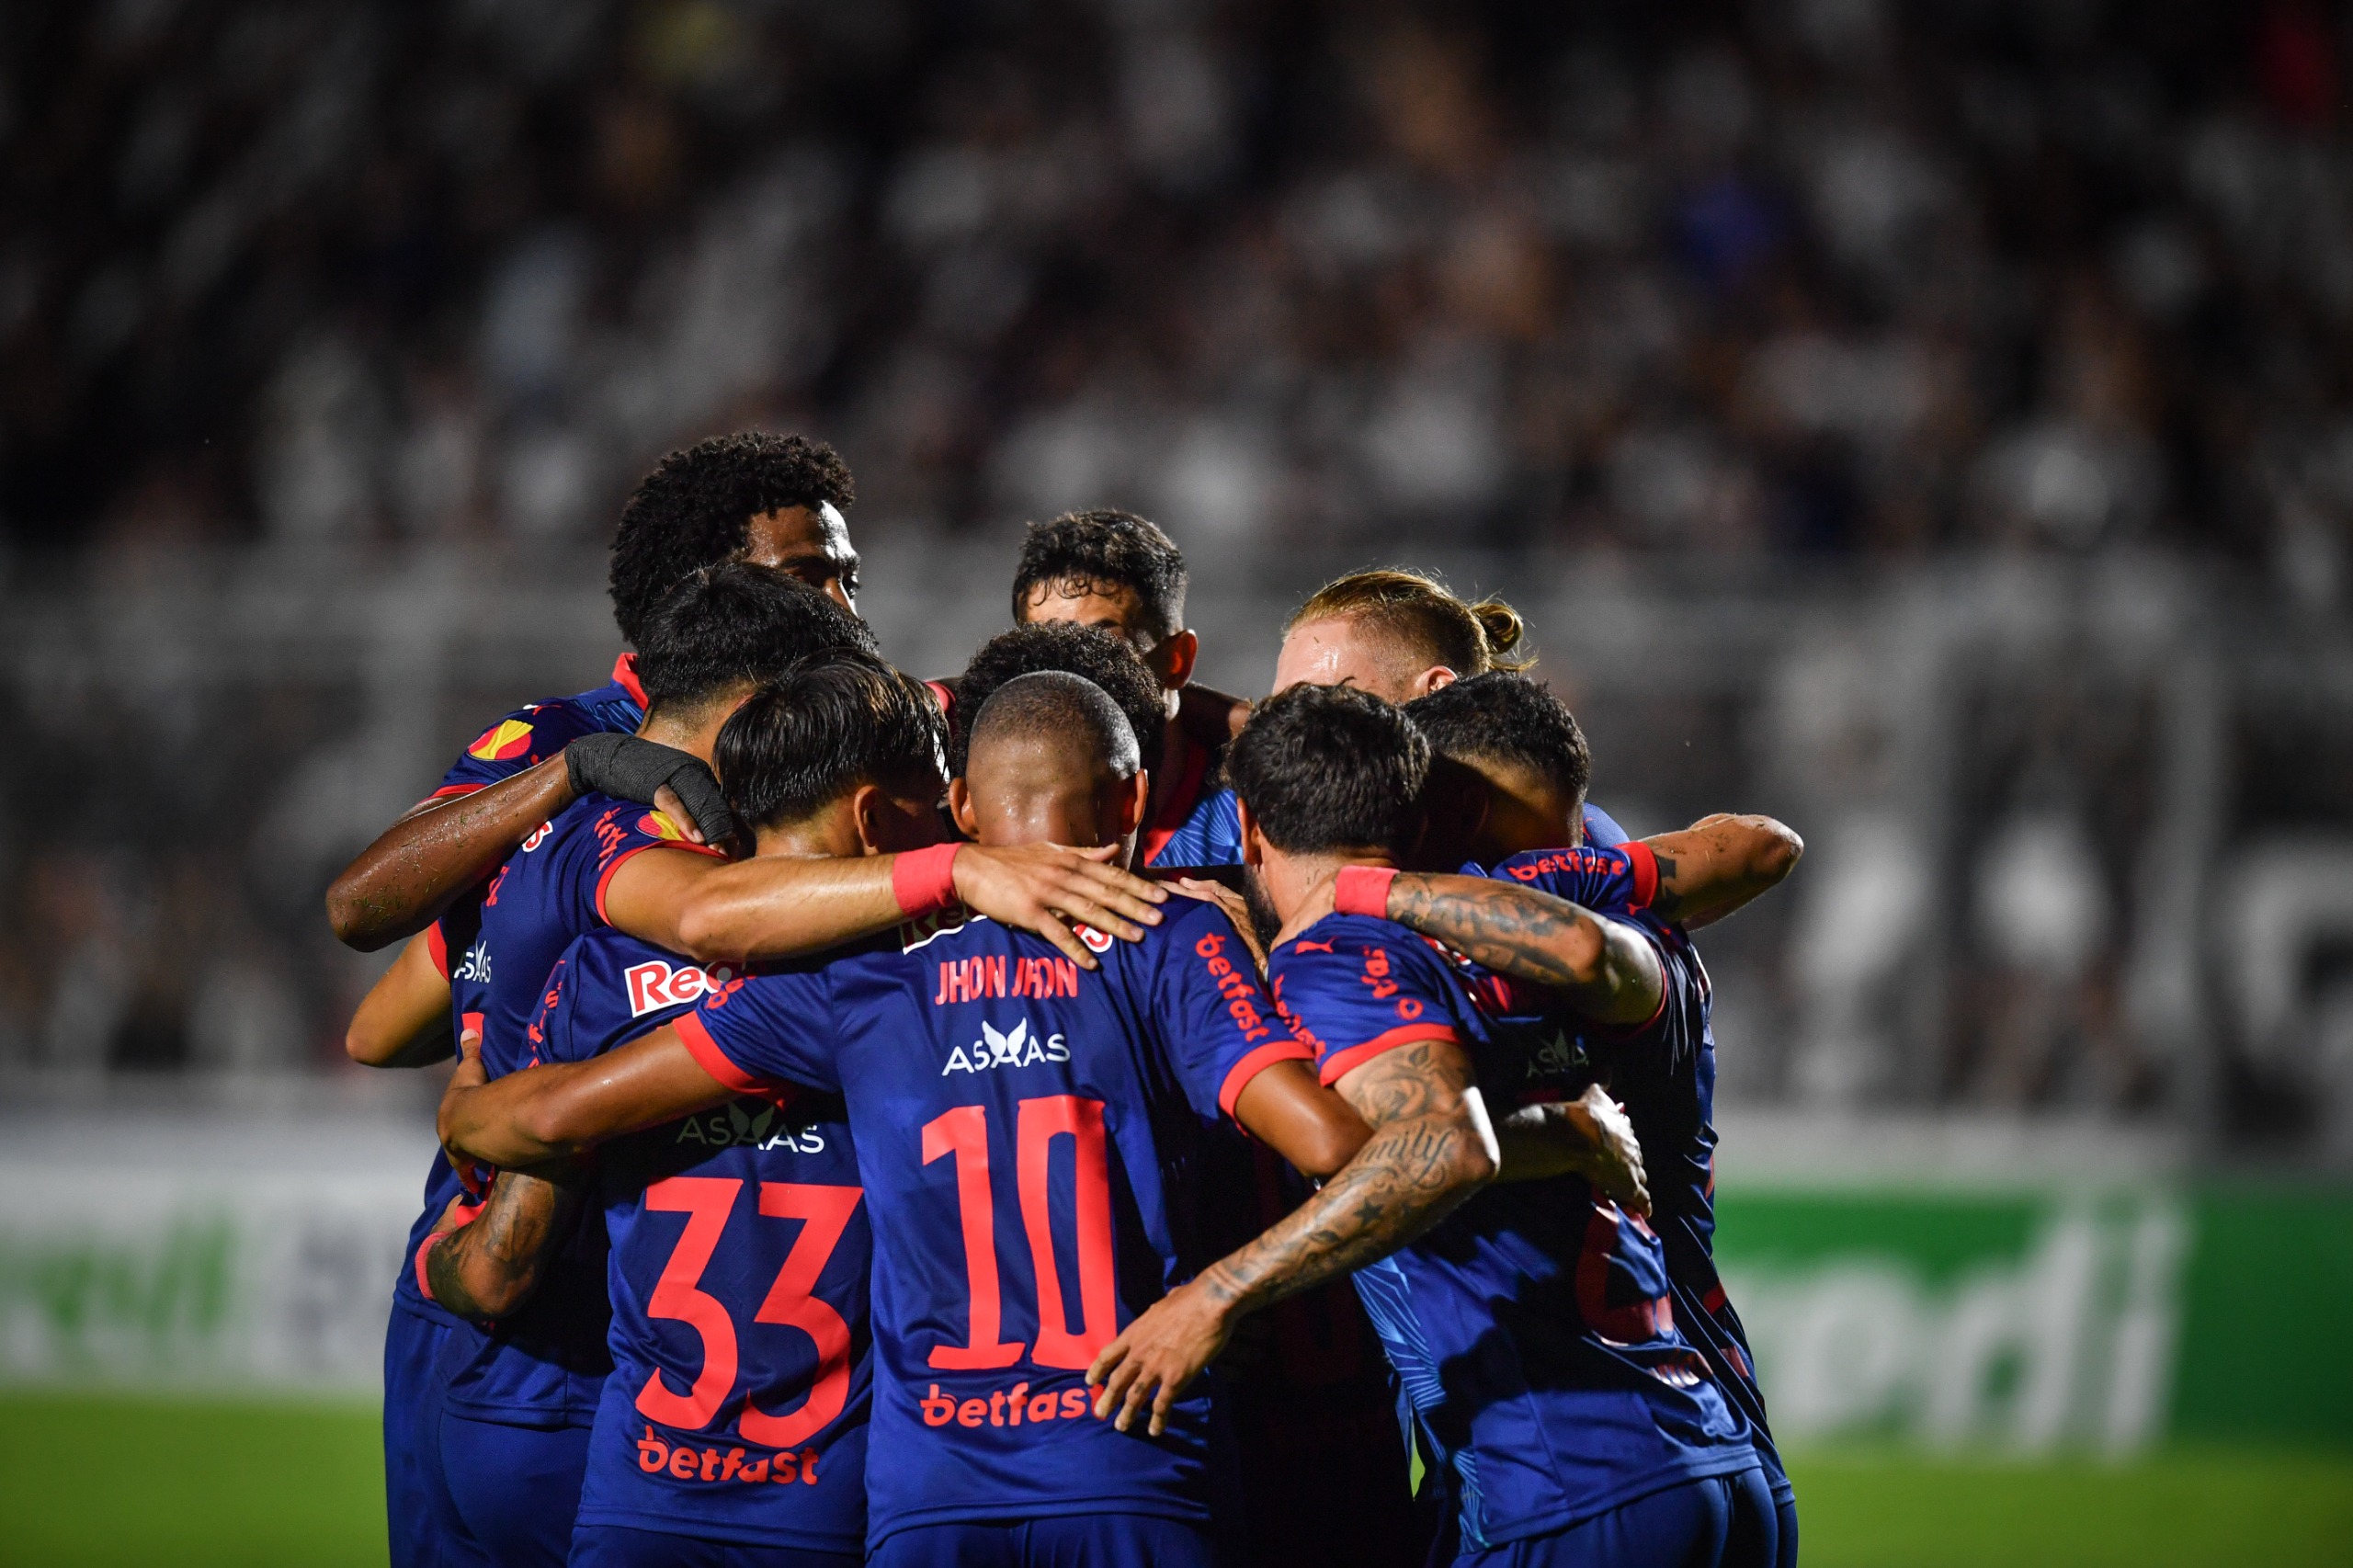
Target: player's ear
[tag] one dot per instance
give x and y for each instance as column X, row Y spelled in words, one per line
column 959, row 806
column 1174, row 660
column 1436, row 677
column 1132, row 804
column 871, row 812
column 1253, row 848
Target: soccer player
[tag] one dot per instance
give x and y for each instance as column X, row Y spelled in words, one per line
column 1522, row 765
column 1117, row 572
column 1397, row 634
column 1531, row 1327
column 773, row 500
column 520, row 1395
column 732, row 1434
column 765, row 499
column 1153, row 1043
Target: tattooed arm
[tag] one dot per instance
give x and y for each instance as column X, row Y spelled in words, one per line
column 1431, row 1148
column 1720, row 863
column 1603, row 969
column 485, row 1267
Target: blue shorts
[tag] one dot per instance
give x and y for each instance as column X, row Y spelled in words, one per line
column 516, row 1489
column 1725, row 1521
column 419, row 1516
column 1073, row 1540
column 1785, row 1531
column 619, row 1546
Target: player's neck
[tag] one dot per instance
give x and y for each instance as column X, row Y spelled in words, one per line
column 827, row 833
column 694, row 734
column 1298, row 886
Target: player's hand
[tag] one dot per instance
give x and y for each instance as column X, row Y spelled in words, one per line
column 469, row 1074
column 1616, row 1167
column 1038, row 886
column 678, row 784
column 1160, row 1352
column 1237, row 909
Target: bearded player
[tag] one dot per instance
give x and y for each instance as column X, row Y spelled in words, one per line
column 1533, row 1329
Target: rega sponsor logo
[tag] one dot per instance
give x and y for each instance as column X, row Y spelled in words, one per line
column 658, row 984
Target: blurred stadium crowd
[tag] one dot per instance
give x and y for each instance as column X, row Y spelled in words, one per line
column 1805, row 302
column 1823, row 275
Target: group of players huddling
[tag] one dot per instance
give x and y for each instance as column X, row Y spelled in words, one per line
column 1059, row 1115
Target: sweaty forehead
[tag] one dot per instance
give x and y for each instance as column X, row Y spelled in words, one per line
column 1115, row 607
column 796, row 533
column 1343, row 650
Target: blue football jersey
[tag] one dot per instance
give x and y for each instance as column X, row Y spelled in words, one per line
column 547, row 1363
column 1210, row 833
column 1532, row 1329
column 1029, row 1137
column 536, row 731
column 523, row 739
column 1197, row 825
column 1665, row 1075
column 448, row 939
column 742, row 1358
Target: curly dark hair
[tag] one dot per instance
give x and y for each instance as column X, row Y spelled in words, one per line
column 696, row 509
column 1105, row 548
column 1083, row 651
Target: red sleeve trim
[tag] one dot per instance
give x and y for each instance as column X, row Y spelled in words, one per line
column 625, row 677
column 606, row 879
column 924, row 881
column 450, row 791
column 436, row 946
column 714, row 1060
column 1646, row 864
column 1340, row 1063
column 1257, row 1062
column 1363, row 889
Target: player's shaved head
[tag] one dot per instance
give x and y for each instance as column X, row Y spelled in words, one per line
column 1050, row 759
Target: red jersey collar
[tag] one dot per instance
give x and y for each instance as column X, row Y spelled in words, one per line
column 1181, row 800
column 625, row 677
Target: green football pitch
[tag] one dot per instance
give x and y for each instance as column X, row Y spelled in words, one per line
column 85, row 1481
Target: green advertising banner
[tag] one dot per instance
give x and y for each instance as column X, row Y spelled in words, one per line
column 2031, row 1322
column 2011, row 1305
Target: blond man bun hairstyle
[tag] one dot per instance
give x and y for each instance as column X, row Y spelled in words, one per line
column 1423, row 614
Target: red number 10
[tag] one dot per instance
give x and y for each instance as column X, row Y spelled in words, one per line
column 963, row 1132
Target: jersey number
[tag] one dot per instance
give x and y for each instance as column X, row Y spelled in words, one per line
column 963, row 1133
column 1626, row 1322
column 706, row 1201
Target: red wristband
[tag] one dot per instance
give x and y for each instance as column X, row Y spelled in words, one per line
column 1363, row 889
column 423, row 1283
column 924, row 881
